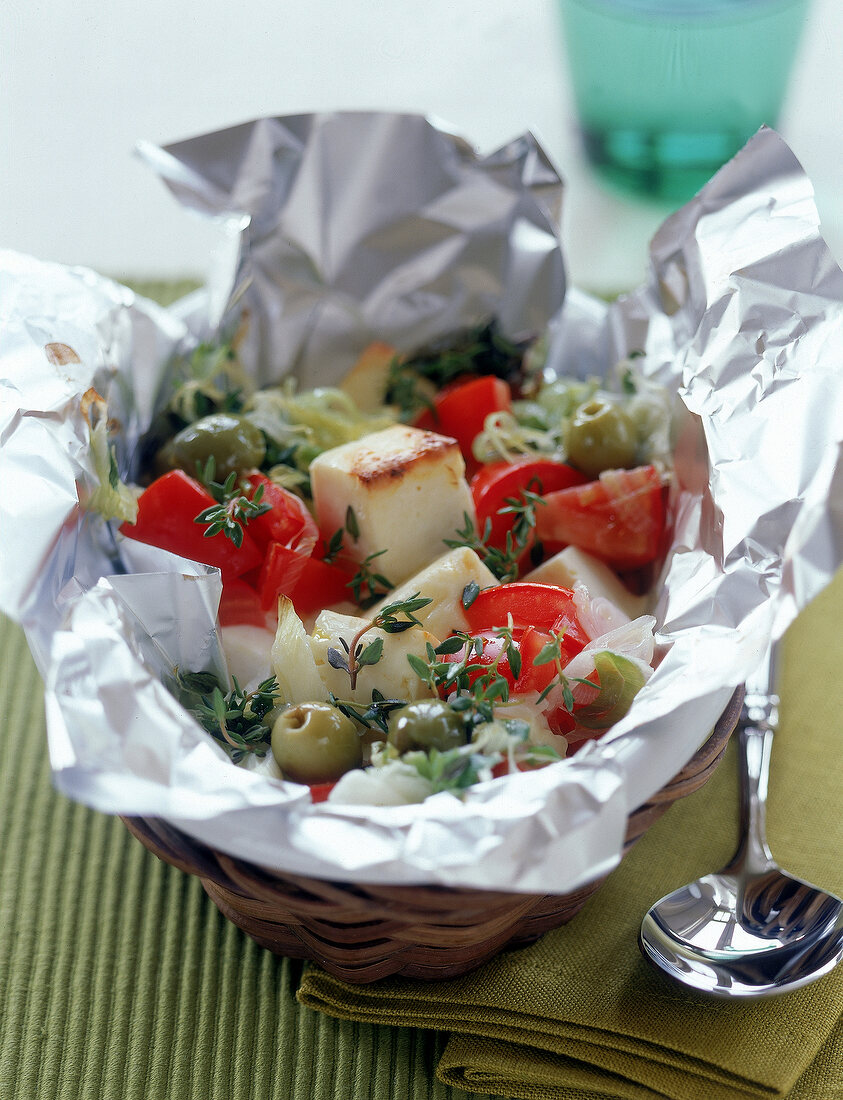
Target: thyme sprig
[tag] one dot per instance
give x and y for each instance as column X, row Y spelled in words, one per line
column 470, row 685
column 394, row 618
column 236, row 719
column 233, row 509
column 367, row 584
column 502, row 561
column 375, row 715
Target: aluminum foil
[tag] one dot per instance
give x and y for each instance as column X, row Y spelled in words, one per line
column 343, row 228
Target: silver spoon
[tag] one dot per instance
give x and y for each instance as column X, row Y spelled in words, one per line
column 751, row 929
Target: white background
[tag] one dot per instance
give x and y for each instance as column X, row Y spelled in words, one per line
column 82, row 80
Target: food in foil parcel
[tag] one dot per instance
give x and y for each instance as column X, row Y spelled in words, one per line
column 432, row 575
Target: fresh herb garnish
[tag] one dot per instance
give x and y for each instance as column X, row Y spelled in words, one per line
column 477, row 351
column 235, row 719
column 333, row 546
column 470, row 685
column 351, row 524
column 375, row 715
column 453, row 770
column 368, row 585
column 233, row 509
column 211, row 381
column 503, row 562
column 470, row 594
column 389, row 619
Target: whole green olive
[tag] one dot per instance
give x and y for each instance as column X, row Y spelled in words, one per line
column 236, row 444
column 315, row 743
column 426, row 724
column 601, row 436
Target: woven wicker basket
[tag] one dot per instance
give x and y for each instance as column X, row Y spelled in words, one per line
column 363, row 932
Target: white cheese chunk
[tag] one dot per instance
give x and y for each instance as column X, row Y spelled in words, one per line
column 572, row 566
column 443, row 581
column 392, row 675
column 408, row 492
column 246, row 650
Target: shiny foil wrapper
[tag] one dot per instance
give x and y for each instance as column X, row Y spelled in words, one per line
column 338, row 229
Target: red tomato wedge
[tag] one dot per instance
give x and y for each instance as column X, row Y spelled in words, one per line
column 240, row 605
column 288, row 520
column 462, row 408
column 166, row 511
column 534, row 677
column 495, row 482
column 319, row 791
column 280, row 573
column 320, row 585
column 619, row 518
column 529, row 604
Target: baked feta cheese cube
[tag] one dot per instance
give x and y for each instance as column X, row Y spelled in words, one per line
column 443, row 582
column 392, row 675
column 407, row 490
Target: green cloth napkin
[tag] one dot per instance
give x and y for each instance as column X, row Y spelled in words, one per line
column 580, row 1014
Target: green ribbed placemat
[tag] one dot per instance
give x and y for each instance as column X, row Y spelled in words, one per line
column 119, row 979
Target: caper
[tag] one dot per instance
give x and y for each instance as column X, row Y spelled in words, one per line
column 426, row 724
column 315, row 743
column 601, row 436
column 236, row 444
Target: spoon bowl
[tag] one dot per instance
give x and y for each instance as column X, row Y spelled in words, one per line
column 752, row 929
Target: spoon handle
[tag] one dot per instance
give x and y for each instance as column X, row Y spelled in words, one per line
column 757, row 727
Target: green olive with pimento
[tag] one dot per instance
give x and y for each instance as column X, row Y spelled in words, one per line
column 315, row 743
column 601, row 435
column 236, row 444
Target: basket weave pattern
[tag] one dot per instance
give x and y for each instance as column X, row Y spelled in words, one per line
column 363, row 932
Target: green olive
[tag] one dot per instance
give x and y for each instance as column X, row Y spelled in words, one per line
column 236, row 444
column 315, row 743
column 601, row 436
column 426, row 724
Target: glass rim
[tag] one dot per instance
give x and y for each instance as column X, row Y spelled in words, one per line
column 691, row 9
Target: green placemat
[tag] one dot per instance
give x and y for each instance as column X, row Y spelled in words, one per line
column 119, row 979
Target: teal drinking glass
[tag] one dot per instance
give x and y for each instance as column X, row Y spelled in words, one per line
column 666, row 91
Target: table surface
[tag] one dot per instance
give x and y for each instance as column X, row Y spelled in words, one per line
column 78, row 99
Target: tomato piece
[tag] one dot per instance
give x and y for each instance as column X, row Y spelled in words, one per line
column 166, row 512
column 320, row 584
column 534, row 677
column 574, row 638
column 280, row 573
column 462, row 408
column 426, row 420
column 495, row 482
column 288, row 520
column 240, row 604
column 619, row 518
column 529, row 604
column 319, row 791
